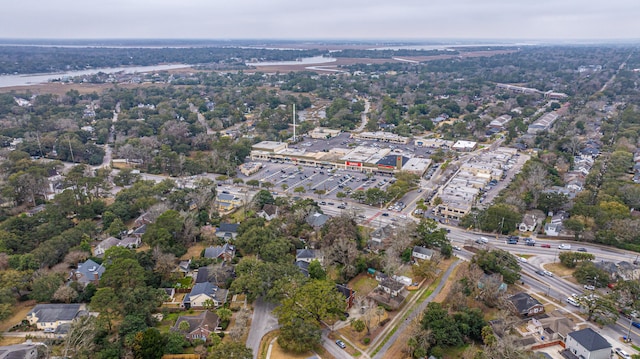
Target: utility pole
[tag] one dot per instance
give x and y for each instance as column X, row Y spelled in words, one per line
column 70, row 149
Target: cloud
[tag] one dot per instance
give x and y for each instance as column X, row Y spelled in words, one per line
column 329, row 19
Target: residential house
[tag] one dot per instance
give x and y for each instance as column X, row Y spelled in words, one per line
column 49, row 316
column 227, row 231
column 88, row 272
column 201, row 293
column 308, row 255
column 317, row 220
column 268, row 212
column 200, row 327
column 381, row 234
column 529, row 223
column 421, row 253
column 391, row 287
column 348, row 293
column 552, row 327
column 526, row 305
column 139, row 231
column 622, row 270
column 104, row 245
column 143, row 219
column 35, row 210
column 225, row 252
column 27, row 350
column 554, row 227
column 130, row 242
column 588, row 344
column 380, row 276
column 183, row 267
column 228, row 202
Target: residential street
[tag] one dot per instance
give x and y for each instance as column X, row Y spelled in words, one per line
column 261, row 323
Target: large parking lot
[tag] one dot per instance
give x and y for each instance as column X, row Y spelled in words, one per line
column 286, row 177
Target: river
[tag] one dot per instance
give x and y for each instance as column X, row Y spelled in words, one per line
column 34, row 79
column 303, row 61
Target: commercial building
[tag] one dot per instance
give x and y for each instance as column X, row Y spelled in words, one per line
column 464, row 146
column 544, row 123
column 249, row 168
column 323, row 133
column 500, row 122
column 382, row 137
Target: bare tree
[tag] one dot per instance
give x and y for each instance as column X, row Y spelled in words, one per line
column 65, row 294
column 165, row 262
column 79, row 342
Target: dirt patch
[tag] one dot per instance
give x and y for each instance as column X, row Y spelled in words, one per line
column 278, row 353
column 11, row 341
column 363, row 284
column 559, row 269
column 194, row 251
column 20, row 313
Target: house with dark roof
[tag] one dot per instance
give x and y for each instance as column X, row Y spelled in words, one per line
column 268, row 212
column 139, row 231
column 50, row 316
column 308, row 255
column 200, row 326
column 227, row 231
column 588, row 344
column 201, row 293
column 183, row 267
column 225, row 252
column 529, row 223
column 88, row 272
column 348, row 293
column 526, row 305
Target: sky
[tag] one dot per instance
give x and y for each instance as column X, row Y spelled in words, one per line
column 325, row 19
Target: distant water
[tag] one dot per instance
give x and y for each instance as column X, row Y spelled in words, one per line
column 303, row 61
column 26, row 80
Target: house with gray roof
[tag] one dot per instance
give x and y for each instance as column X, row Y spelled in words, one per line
column 201, row 293
column 588, row 344
column 49, row 316
column 308, row 255
column 104, row 245
column 526, row 305
column 131, row 242
column 225, row 252
column 227, row 231
column 268, row 212
column 27, row 350
column 200, row 326
column 88, row 272
column 421, row 253
column 317, row 220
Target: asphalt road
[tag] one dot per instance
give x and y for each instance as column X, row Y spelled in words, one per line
column 262, row 322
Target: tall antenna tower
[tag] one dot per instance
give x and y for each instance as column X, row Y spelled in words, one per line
column 294, row 123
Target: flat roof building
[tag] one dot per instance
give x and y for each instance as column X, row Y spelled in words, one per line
column 382, row 137
column 464, row 146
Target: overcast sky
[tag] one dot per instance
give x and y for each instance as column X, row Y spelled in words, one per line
column 324, row 19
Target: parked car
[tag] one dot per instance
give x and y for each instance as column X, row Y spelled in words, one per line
column 589, row 287
column 341, row 344
column 621, row 353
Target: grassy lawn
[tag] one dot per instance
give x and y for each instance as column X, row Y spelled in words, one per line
column 559, row 269
column 20, row 311
column 194, row 251
column 363, row 284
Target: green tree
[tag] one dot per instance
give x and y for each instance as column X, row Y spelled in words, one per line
column 316, row 271
column 176, row 343
column 224, row 314
column 253, row 183
column 263, row 197
column 149, row 344
column 588, row 273
column 123, row 273
column 358, row 325
column 107, row 303
column 166, row 233
column 571, row 259
column 231, row 350
column 498, row 261
column 116, row 228
column 429, row 235
column 44, row 286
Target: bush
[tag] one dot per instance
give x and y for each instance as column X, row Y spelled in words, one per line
column 384, row 321
column 366, row 340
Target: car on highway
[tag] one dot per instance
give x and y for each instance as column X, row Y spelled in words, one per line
column 512, row 241
column 323, row 203
column 548, row 274
column 545, row 245
column 385, row 214
column 457, row 248
column 521, row 259
column 341, row 344
column 636, row 324
column 621, row 353
column 564, row 246
column 581, row 249
column 540, row 272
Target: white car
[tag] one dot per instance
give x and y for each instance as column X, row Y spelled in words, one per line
column 547, row 273
column 564, row 246
column 621, row 353
column 573, row 301
column 589, row 287
column 522, row 259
